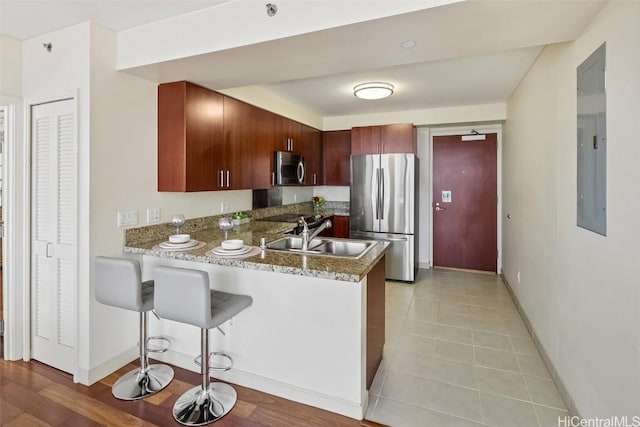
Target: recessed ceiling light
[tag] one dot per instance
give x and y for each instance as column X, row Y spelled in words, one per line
column 373, row 90
column 408, row 44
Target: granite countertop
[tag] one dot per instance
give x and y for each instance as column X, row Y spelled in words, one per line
column 142, row 241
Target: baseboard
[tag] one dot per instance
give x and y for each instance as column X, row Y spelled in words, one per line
column 564, row 392
column 95, row 374
column 267, row 385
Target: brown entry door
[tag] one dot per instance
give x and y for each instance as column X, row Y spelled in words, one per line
column 465, row 203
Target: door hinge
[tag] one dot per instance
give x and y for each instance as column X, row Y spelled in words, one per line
column 497, row 253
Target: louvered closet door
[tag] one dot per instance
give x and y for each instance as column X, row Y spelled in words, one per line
column 53, row 231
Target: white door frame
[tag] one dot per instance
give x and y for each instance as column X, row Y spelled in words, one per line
column 13, row 241
column 461, row 130
column 20, row 290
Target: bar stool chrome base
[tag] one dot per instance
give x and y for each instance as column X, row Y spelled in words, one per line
column 198, row 407
column 136, row 384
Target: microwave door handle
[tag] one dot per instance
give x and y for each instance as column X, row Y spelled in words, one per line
column 300, row 172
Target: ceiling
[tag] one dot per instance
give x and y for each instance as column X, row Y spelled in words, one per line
column 466, row 53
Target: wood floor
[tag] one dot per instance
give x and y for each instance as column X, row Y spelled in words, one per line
column 34, row 394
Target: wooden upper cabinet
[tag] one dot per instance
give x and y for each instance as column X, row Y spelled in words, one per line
column 397, row 138
column 287, row 134
column 310, row 146
column 365, row 140
column 190, row 137
column 400, row 138
column 248, row 137
column 336, row 147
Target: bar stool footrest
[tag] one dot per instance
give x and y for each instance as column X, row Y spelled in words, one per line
column 213, row 367
column 166, row 344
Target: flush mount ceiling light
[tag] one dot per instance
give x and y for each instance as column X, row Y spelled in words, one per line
column 373, row 90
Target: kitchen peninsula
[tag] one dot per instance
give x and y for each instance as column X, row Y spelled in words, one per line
column 315, row 331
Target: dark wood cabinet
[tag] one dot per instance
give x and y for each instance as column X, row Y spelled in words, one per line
column 397, row 138
column 310, row 147
column 208, row 141
column 287, row 134
column 336, row 148
column 190, row 137
column 248, row 132
column 375, row 319
column 341, row 226
column 365, row 140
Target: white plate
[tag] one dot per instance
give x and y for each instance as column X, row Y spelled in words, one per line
column 219, row 250
column 169, row 245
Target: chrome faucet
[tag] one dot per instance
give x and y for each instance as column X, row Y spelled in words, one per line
column 306, row 237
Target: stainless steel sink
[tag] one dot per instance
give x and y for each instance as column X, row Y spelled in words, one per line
column 345, row 248
column 294, row 243
column 327, row 247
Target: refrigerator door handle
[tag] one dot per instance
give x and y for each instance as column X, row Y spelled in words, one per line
column 378, row 193
column 401, row 239
column 382, row 191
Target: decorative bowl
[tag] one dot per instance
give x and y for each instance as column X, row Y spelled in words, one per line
column 232, row 244
column 179, row 238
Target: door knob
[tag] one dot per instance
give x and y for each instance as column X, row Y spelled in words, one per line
column 438, row 208
column 508, row 216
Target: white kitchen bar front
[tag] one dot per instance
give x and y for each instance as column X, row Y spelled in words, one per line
column 316, row 341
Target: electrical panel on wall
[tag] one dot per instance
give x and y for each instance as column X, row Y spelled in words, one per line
column 592, row 143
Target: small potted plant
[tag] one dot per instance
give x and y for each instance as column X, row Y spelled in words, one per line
column 318, row 201
column 240, row 218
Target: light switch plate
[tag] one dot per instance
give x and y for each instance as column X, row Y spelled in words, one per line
column 127, row 218
column 153, row 215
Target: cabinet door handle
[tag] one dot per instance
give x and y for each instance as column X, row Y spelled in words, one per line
column 314, row 179
column 273, row 179
column 227, row 179
column 221, row 179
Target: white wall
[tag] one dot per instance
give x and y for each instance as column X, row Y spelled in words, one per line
column 12, row 195
column 10, row 67
column 216, row 28
column 580, row 290
column 428, row 117
column 117, row 168
column 258, row 96
column 124, row 178
column 423, row 188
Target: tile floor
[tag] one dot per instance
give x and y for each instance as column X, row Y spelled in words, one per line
column 457, row 353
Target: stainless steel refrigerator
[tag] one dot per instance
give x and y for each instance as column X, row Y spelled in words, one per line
column 383, row 204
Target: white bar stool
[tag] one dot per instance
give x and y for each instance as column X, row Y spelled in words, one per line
column 118, row 283
column 183, row 295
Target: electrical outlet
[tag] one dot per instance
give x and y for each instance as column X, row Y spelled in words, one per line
column 224, row 207
column 153, row 215
column 127, row 218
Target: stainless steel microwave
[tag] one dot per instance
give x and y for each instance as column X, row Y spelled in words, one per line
column 289, row 168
